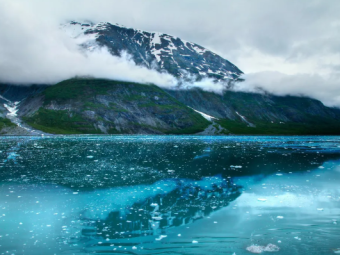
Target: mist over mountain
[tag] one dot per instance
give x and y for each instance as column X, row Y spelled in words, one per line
column 300, row 43
column 161, row 52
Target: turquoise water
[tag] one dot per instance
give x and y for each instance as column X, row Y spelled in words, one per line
column 169, row 195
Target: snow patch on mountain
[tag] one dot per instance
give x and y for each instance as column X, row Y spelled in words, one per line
column 159, row 51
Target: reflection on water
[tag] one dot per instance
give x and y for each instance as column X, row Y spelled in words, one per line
column 169, row 195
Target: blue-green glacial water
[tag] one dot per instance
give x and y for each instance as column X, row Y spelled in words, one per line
column 169, row 195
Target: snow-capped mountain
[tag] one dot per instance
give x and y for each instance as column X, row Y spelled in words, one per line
column 162, row 52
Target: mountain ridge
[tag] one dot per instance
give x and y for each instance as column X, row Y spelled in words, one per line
column 99, row 106
column 153, row 50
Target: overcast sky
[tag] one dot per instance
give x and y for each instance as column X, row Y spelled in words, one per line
column 284, row 46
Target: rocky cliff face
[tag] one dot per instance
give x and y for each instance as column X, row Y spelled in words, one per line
column 97, row 106
column 108, row 107
column 162, row 52
column 253, row 113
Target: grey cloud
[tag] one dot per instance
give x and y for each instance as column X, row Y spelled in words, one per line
column 325, row 89
column 299, row 38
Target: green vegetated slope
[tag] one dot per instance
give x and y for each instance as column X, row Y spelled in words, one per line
column 5, row 123
column 264, row 113
column 95, row 106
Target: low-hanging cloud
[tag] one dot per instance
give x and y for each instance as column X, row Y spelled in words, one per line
column 285, row 46
column 324, row 88
column 40, row 53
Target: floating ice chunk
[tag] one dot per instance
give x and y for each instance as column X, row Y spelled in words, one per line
column 157, row 218
column 235, row 166
column 194, row 241
column 271, row 248
column 337, row 250
column 280, row 217
column 262, row 199
column 160, row 237
column 297, row 238
column 279, row 174
column 319, row 209
column 321, row 167
column 259, row 249
column 179, row 235
column 154, row 205
column 89, row 156
column 134, row 248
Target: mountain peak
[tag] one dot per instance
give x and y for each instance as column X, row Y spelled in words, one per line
column 159, row 51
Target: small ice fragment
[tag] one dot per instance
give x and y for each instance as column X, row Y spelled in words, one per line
column 259, row 249
column 319, row 209
column 194, row 241
column 297, row 238
column 215, row 222
column 134, row 248
column 179, row 235
column 280, row 217
column 89, row 156
column 262, row 199
column 160, row 237
column 153, row 204
column 75, row 193
column 271, row 248
column 157, row 218
column 337, row 250
column 321, row 167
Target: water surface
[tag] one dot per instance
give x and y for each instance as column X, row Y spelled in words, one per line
column 169, row 195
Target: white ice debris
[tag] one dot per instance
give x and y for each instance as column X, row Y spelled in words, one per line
column 206, row 116
column 262, row 199
column 232, row 166
column 259, row 249
column 157, row 218
column 194, row 241
column 280, row 217
column 160, row 237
